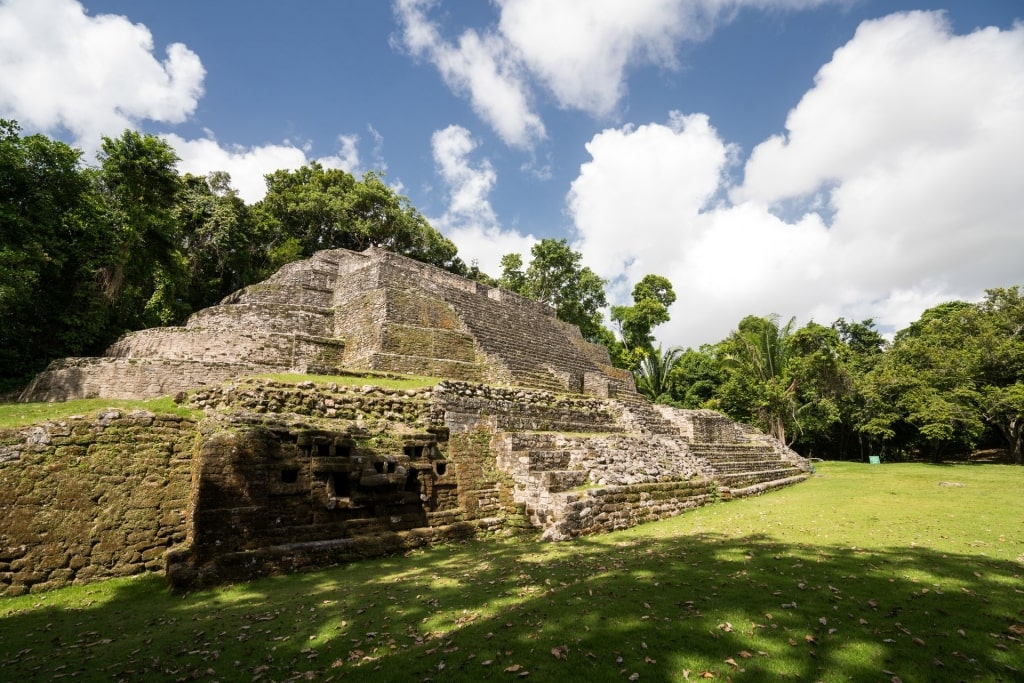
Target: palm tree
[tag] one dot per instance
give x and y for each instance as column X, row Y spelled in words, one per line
column 759, row 350
column 652, row 375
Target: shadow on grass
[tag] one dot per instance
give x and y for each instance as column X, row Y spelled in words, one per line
column 594, row 609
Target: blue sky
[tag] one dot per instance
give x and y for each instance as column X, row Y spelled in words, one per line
column 810, row 158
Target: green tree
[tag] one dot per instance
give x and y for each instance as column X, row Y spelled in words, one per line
column 760, row 385
column 222, row 250
column 512, row 276
column 923, row 395
column 652, row 297
column 557, row 278
column 314, row 208
column 53, row 244
column 653, row 377
column 139, row 180
column 1000, row 374
column 694, row 380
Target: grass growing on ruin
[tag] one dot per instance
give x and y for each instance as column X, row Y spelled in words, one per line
column 13, row 415
column 383, row 380
column 894, row 572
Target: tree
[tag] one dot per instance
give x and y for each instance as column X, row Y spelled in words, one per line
column 923, row 396
column 139, row 180
column 53, row 244
column 653, row 377
column 760, row 384
column 556, row 277
column 652, row 297
column 314, row 208
column 1001, row 365
column 694, row 380
column 218, row 239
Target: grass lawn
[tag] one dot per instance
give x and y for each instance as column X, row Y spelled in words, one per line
column 14, row 415
column 862, row 573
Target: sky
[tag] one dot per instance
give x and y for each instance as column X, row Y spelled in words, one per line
column 814, row 159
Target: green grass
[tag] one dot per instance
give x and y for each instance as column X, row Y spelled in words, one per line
column 383, row 380
column 859, row 574
column 13, row 415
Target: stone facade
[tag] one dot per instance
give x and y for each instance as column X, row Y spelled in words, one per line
column 285, row 476
column 372, row 310
column 82, row 500
column 532, row 427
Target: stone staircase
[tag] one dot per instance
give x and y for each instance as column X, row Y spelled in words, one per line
column 741, row 466
column 741, row 459
column 641, row 416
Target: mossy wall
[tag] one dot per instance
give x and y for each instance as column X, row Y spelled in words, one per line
column 87, row 499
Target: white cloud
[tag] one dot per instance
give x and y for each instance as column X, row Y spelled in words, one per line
column 479, row 66
column 914, row 137
column 347, row 157
column 248, row 165
column 470, row 220
column 633, row 202
column 63, row 70
column 578, row 50
column 581, row 49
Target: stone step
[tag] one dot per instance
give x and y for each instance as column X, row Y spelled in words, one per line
column 733, row 467
column 742, row 479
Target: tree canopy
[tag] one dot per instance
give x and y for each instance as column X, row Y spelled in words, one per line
column 557, row 278
column 90, row 252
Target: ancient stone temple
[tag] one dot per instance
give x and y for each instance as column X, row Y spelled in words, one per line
column 527, row 426
column 341, row 309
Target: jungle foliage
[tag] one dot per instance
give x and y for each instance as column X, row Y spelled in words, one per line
column 89, row 252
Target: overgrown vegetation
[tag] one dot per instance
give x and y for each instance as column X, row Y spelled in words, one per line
column 895, row 572
column 378, row 379
column 88, row 253
column 13, row 415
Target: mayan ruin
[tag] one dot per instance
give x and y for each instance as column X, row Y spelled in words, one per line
column 529, row 426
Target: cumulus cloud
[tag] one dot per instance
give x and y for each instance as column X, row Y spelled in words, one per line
column 479, row 66
column 577, row 50
column 248, row 165
column 470, row 220
column 910, row 145
column 63, row 70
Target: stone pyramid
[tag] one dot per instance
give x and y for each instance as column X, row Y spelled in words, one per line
column 345, row 310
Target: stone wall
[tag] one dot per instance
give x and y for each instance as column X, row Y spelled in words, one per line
column 83, row 500
column 283, row 476
column 361, row 472
column 73, row 378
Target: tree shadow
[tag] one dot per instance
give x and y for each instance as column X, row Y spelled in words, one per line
column 591, row 609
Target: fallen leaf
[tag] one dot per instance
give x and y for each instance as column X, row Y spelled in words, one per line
column 634, row 676
column 512, row 669
column 560, row 652
column 745, row 655
column 732, row 662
